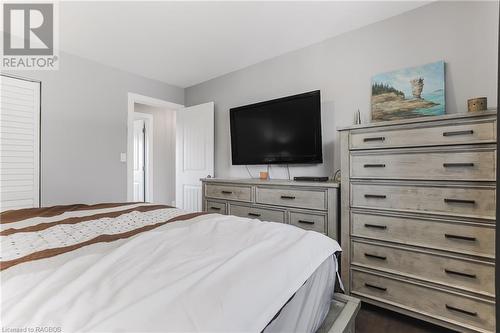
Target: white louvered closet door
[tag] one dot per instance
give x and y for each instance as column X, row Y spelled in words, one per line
column 19, row 143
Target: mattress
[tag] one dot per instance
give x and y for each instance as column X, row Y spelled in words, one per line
column 308, row 308
column 137, row 267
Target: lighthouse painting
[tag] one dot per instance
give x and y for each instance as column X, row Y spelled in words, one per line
column 409, row 93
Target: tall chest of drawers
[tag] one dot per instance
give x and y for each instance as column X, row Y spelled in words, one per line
column 418, row 217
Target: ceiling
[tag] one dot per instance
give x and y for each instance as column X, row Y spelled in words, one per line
column 185, row 43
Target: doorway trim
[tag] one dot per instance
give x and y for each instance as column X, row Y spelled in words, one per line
column 148, row 154
column 150, row 101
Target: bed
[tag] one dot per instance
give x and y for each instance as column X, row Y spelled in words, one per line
column 145, row 267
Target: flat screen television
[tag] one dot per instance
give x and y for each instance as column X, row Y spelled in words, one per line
column 280, row 131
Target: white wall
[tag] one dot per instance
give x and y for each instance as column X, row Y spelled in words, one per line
column 163, row 152
column 463, row 34
column 84, row 129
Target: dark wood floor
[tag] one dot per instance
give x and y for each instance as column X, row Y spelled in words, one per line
column 372, row 319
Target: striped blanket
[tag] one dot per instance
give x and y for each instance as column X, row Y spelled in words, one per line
column 37, row 233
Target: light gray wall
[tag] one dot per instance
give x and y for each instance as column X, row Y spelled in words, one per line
column 163, row 152
column 463, row 34
column 84, row 129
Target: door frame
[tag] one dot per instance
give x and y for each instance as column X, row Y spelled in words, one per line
column 148, row 154
column 150, row 101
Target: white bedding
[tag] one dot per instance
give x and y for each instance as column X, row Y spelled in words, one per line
column 212, row 273
column 310, row 305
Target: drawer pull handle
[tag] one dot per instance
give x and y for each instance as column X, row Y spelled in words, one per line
column 374, row 165
column 452, row 308
column 471, row 202
column 375, row 226
column 369, row 255
column 215, row 208
column 306, row 222
column 377, row 138
column 227, row 192
column 449, row 271
column 369, row 285
column 287, row 197
column 451, row 165
column 469, row 132
column 253, row 214
column 376, row 196
column 471, row 239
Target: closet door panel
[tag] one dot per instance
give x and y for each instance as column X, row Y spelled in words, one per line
column 19, row 143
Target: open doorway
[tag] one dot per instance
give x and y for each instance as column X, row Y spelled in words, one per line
column 154, row 152
column 169, row 148
column 151, row 150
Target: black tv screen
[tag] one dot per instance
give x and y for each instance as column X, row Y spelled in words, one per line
column 281, row 131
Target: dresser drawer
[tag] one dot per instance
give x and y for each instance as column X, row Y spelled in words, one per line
column 263, row 214
column 471, row 313
column 474, row 276
column 309, row 221
column 460, row 201
column 291, row 198
column 479, row 132
column 229, row 192
column 215, row 207
column 436, row 234
column 439, row 165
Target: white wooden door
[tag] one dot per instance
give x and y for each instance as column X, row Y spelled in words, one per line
column 19, row 143
column 194, row 153
column 139, row 158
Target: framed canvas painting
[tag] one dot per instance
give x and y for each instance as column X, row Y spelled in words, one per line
column 409, row 93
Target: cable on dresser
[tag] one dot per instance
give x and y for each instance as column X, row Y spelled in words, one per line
column 248, row 170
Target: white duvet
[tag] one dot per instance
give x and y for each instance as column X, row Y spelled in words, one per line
column 212, row 273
